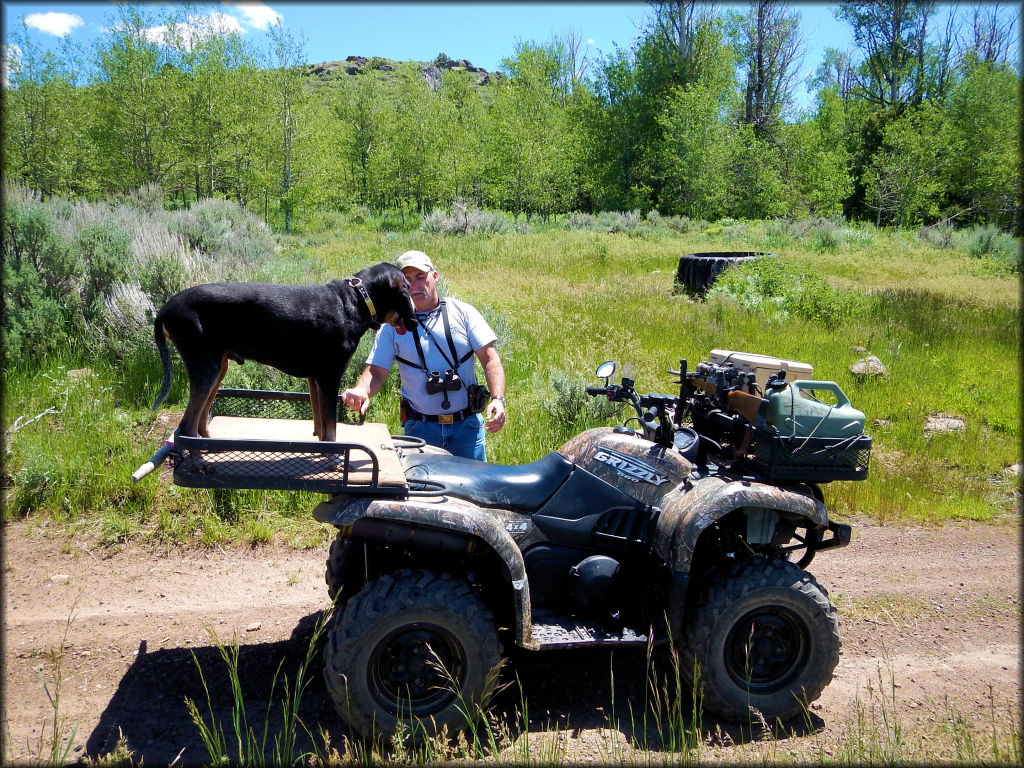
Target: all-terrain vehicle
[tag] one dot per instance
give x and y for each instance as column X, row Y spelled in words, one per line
column 692, row 522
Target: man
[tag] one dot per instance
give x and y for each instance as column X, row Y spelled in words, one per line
column 435, row 362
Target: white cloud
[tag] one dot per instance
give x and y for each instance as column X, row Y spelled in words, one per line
column 191, row 31
column 10, row 56
column 52, row 23
column 257, row 15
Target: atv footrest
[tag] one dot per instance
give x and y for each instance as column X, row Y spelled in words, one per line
column 567, row 632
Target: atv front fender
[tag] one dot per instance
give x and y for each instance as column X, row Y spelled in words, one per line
column 690, row 509
column 422, row 517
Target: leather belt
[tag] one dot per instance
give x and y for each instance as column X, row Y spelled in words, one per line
column 439, row 418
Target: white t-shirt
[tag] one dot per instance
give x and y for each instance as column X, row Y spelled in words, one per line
column 469, row 332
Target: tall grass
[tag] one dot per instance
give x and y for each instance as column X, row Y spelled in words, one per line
column 56, row 742
column 945, row 323
column 252, row 747
column 667, row 727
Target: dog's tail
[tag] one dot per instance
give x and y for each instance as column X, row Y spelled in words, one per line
column 165, row 359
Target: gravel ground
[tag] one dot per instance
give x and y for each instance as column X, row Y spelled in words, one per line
column 930, row 619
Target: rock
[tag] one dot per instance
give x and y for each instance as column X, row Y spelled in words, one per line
column 944, row 422
column 869, row 366
column 433, row 76
column 881, row 422
column 254, row 627
column 1013, row 469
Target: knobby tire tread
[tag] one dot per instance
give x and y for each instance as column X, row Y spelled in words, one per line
column 742, row 580
column 394, row 594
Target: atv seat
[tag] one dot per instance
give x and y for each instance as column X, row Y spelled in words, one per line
column 524, row 488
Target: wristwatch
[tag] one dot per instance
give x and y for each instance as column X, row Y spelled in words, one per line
column 502, row 398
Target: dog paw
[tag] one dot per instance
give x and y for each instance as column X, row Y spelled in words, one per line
column 200, row 465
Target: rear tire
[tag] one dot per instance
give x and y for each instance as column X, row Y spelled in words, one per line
column 765, row 637
column 378, row 658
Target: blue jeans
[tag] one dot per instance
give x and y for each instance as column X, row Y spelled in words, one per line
column 463, row 438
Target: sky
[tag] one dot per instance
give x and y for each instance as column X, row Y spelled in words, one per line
column 482, row 32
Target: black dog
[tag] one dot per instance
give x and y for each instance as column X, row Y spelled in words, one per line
column 304, row 330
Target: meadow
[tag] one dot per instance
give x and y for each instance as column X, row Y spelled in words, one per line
column 939, row 308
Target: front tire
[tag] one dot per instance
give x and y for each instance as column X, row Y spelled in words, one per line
column 379, row 657
column 765, row 637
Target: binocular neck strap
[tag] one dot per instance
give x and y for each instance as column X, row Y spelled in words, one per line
column 455, row 360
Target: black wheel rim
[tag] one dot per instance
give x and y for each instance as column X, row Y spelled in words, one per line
column 766, row 649
column 404, row 675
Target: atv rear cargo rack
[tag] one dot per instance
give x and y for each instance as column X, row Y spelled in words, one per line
column 264, row 440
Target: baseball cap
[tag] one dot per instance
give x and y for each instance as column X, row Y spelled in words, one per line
column 417, row 259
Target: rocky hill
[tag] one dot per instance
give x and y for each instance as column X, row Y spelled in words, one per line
column 360, row 65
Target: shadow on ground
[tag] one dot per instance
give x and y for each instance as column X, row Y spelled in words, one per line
column 148, row 708
column 566, row 690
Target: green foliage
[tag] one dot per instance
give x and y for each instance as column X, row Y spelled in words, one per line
column 817, row 178
column 566, row 301
column 990, row 241
column 986, row 144
column 572, row 410
column 88, row 277
column 779, row 289
column 689, row 120
column 41, row 273
column 464, row 218
column 698, row 150
column 906, row 179
column 104, row 247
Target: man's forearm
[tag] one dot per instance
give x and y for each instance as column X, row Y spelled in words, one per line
column 494, row 374
column 372, row 379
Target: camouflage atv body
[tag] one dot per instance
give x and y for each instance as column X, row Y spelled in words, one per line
column 613, row 539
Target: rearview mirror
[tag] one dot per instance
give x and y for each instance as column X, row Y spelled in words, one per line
column 605, row 370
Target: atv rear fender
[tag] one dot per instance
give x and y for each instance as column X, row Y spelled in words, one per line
column 692, row 507
column 452, row 527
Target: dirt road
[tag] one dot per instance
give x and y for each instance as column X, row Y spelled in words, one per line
column 934, row 614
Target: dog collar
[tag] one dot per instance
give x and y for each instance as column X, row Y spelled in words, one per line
column 357, row 283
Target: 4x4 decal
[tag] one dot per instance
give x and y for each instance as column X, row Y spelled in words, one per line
column 631, row 469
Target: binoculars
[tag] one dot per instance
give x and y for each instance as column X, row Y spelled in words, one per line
column 438, row 384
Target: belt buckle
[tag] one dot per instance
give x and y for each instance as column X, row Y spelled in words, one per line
column 446, row 418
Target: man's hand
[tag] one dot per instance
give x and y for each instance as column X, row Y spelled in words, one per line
column 357, row 398
column 494, row 418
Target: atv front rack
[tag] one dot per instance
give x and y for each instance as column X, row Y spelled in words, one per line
column 782, row 458
column 264, row 440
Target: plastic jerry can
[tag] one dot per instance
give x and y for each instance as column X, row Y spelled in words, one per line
column 792, row 412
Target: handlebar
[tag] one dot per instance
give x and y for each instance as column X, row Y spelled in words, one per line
column 652, row 410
